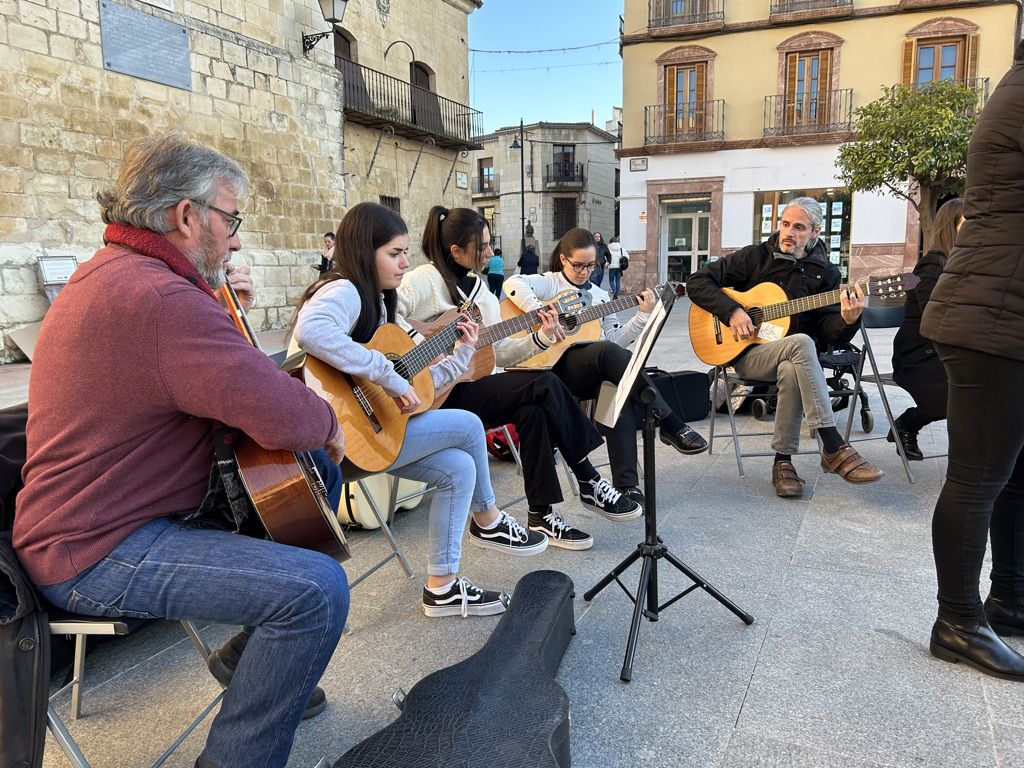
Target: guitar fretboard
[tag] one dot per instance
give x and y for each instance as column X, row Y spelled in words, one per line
column 420, row 356
column 524, row 322
column 760, row 315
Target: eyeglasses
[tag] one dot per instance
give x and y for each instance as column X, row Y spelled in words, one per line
column 234, row 218
column 580, row 268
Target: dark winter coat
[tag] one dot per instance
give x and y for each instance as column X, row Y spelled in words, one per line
column 913, row 356
column 603, row 254
column 761, row 263
column 978, row 302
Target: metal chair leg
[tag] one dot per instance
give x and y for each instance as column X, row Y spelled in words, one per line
column 885, row 403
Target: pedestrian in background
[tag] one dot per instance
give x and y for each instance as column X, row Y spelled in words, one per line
column 328, row 253
column 603, row 257
column 496, row 272
column 616, row 253
column 528, row 262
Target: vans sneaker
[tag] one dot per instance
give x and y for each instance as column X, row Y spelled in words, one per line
column 508, row 536
column 464, row 598
column 602, row 497
column 558, row 532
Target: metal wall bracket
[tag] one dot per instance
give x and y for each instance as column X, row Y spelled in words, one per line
column 386, row 132
column 429, row 141
column 463, row 154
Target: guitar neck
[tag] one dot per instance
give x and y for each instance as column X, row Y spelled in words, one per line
column 421, row 355
column 804, row 304
column 238, row 314
column 527, row 320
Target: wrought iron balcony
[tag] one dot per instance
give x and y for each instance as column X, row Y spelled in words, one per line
column 779, row 7
column 671, row 13
column 485, row 186
column 811, row 112
column 676, row 123
column 563, row 175
column 978, row 84
column 375, row 99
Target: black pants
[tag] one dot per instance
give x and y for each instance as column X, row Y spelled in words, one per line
column 546, row 417
column 494, row 282
column 926, row 383
column 984, row 489
column 583, row 368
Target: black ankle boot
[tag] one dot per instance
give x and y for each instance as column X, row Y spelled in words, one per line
column 976, row 645
column 909, row 439
column 1006, row 617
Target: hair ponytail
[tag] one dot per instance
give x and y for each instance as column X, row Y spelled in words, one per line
column 445, row 228
column 574, row 239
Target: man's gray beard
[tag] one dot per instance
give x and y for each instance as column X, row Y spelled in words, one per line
column 215, row 277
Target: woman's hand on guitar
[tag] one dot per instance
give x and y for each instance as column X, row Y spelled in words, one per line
column 648, row 301
column 851, row 303
column 408, row 402
column 240, row 277
column 335, row 447
column 469, row 331
column 741, row 325
column 549, row 325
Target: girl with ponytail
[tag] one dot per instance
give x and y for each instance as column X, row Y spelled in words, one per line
column 457, row 244
column 343, row 310
column 583, row 367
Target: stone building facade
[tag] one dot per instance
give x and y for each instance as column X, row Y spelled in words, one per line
column 569, row 171
column 253, row 93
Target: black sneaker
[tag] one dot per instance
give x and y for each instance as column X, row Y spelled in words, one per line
column 601, row 496
column 684, row 440
column 224, row 660
column 558, row 532
column 508, row 536
column 464, row 598
column 635, row 494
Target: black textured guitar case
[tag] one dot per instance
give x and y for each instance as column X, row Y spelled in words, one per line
column 501, row 707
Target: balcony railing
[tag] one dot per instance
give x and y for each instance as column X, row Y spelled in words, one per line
column 672, row 123
column 795, row 114
column 485, row 185
column 375, row 99
column 670, row 13
column 563, row 174
column 796, row 6
column 979, row 84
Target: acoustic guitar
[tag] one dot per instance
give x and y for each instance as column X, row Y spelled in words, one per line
column 770, row 311
column 373, row 425
column 285, row 488
column 580, row 324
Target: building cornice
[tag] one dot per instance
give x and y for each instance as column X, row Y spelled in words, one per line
column 466, row 6
column 681, row 148
column 898, row 9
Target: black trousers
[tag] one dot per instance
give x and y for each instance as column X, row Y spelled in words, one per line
column 546, row 417
column 583, row 368
column 494, row 283
column 984, row 490
column 926, row 383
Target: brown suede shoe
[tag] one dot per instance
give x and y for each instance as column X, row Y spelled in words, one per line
column 850, row 465
column 788, row 484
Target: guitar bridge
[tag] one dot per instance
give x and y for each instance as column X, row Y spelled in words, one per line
column 717, row 325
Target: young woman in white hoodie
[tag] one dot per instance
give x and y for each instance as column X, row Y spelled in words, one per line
column 584, row 366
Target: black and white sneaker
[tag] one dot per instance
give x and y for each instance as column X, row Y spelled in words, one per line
column 508, row 536
column 635, row 494
column 558, row 532
column 464, row 598
column 602, row 497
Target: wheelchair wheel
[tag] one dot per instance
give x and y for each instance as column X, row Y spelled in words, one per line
column 867, row 420
column 759, row 409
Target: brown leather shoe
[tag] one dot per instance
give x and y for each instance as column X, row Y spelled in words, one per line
column 850, row 465
column 788, row 484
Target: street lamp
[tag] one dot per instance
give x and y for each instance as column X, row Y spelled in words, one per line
column 520, row 143
column 334, row 12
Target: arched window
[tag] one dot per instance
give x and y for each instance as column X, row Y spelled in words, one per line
column 421, row 75
column 941, row 49
column 344, row 48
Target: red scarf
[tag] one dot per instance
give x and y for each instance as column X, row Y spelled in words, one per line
column 156, row 246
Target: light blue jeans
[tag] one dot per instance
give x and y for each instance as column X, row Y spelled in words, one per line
column 294, row 600
column 446, row 449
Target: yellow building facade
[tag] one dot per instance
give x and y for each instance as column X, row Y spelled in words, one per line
column 732, row 107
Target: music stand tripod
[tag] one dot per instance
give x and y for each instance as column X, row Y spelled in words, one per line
column 652, row 549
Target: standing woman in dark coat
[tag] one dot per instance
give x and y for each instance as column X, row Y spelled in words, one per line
column 976, row 319
column 915, row 365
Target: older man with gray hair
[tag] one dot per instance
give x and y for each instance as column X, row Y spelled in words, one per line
column 137, row 364
column 794, row 258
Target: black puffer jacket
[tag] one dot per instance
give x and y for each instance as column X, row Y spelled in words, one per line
column 978, row 302
column 912, row 352
column 762, row 263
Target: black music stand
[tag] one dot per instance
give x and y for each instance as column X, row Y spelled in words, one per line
column 652, row 548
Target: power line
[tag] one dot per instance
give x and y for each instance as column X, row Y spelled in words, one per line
column 552, row 66
column 551, row 50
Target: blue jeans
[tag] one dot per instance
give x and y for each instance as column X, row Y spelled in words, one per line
column 597, row 276
column 615, row 280
column 295, row 600
column 447, row 449
column 330, row 473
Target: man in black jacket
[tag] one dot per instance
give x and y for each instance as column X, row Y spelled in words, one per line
column 793, row 258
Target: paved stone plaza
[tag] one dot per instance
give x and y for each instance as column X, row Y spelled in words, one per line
column 834, row 672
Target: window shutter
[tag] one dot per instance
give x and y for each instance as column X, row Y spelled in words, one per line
column 824, row 93
column 701, row 95
column 972, row 57
column 670, row 99
column 789, row 99
column 909, row 55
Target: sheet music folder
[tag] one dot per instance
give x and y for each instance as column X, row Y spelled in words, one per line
column 612, row 399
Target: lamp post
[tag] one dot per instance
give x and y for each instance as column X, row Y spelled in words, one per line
column 520, row 143
column 334, row 12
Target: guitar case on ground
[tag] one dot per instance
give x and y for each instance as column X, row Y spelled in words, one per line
column 501, row 707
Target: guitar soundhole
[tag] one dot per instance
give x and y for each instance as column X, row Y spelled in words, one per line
column 570, row 323
column 756, row 315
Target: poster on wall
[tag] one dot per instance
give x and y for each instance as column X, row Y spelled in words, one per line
column 766, row 226
column 766, row 211
column 824, row 209
column 837, row 208
column 834, row 257
column 834, row 242
column 842, row 271
column 837, row 225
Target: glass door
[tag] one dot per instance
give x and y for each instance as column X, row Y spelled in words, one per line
column 679, row 246
column 685, row 236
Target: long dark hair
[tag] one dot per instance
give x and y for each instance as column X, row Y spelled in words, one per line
column 571, row 240
column 944, row 226
column 445, row 228
column 365, row 228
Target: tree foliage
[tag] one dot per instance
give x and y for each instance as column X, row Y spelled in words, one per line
column 912, row 143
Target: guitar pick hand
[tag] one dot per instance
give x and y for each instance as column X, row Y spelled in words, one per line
column 549, row 325
column 409, row 401
column 741, row 325
column 851, row 303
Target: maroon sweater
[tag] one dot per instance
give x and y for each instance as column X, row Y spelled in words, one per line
column 133, row 366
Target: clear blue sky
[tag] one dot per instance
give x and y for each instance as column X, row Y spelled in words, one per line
column 561, row 86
